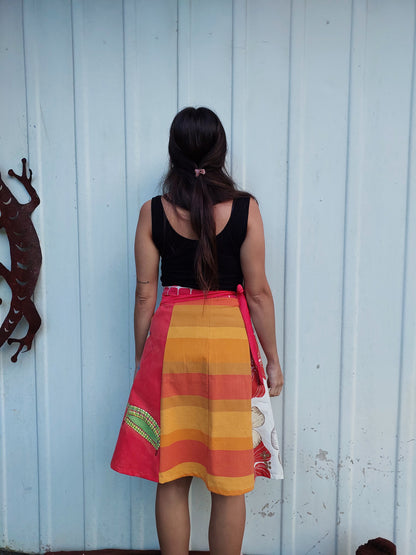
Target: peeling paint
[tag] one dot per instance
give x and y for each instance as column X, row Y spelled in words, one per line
column 322, row 455
column 269, row 514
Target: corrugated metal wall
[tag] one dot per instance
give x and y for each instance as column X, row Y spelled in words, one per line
column 318, row 100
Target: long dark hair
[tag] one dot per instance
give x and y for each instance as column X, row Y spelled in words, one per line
column 197, row 141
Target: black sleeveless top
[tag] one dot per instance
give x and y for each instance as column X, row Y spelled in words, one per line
column 178, row 252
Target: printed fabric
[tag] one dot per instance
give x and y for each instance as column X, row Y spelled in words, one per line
column 199, row 405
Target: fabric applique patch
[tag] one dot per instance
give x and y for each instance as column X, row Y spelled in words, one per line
column 144, row 424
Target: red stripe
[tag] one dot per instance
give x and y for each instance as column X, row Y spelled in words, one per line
column 213, row 387
column 218, row 463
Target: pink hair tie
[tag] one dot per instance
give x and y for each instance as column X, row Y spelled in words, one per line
column 200, row 171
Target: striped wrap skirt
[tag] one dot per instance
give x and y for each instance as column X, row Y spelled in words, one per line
column 199, row 404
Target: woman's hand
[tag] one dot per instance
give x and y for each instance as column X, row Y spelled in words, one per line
column 274, row 378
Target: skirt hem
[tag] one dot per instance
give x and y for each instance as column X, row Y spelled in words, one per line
column 218, row 491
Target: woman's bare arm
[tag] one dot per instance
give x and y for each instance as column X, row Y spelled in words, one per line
column 147, row 270
column 259, row 295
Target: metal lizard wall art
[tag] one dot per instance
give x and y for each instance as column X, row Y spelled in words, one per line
column 26, row 258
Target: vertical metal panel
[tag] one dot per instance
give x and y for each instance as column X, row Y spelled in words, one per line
column 205, row 56
column 315, row 228
column 374, row 261
column 19, row 492
column 101, row 179
column 50, row 104
column 405, row 498
column 316, row 98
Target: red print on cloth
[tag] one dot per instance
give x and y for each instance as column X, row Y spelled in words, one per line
column 261, row 461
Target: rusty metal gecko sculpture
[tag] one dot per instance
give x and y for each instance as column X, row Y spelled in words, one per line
column 26, row 259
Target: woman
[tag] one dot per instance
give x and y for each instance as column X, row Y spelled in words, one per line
column 190, row 409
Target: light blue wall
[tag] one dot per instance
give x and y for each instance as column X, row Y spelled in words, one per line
column 318, row 101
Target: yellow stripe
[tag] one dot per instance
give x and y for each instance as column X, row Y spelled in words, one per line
column 220, row 423
column 206, row 332
column 224, row 485
column 200, row 314
column 223, row 405
column 221, row 350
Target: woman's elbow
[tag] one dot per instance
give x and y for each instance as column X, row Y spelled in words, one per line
column 258, row 295
column 145, row 302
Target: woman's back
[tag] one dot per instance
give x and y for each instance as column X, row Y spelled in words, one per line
column 175, row 239
column 180, row 219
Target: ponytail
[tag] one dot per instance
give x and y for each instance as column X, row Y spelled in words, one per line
column 203, row 224
column 197, row 179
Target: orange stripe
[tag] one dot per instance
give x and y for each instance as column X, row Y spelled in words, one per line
column 219, row 443
column 201, row 367
column 214, row 387
column 223, row 405
column 224, row 485
column 218, row 463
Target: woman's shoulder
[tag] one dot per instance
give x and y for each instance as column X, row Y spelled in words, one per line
column 146, row 207
column 254, row 218
column 254, row 205
column 245, row 205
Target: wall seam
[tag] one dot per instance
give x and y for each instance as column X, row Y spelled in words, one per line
column 123, row 23
column 79, row 272
column 344, row 264
column 34, row 357
column 286, row 244
column 243, row 94
column 404, row 280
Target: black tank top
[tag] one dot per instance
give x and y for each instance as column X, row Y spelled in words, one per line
column 178, row 252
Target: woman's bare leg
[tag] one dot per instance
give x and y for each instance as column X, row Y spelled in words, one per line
column 226, row 527
column 172, row 516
